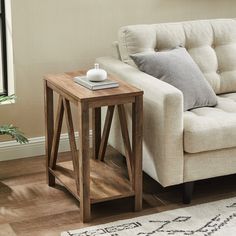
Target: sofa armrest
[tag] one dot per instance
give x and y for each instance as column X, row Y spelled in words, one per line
column 163, row 122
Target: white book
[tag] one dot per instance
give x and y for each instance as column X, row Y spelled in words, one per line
column 105, row 84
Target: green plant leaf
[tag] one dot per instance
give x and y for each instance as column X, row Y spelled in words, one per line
column 7, row 98
column 11, row 130
column 14, row 132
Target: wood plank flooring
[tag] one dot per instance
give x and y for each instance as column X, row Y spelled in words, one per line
column 29, row 207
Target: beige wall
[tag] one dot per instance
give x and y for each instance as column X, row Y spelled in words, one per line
column 64, row 35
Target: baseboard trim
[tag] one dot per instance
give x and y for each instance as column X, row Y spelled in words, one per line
column 12, row 150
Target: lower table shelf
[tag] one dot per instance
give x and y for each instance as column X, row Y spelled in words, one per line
column 106, row 182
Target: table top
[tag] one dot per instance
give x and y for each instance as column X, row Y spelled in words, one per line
column 65, row 83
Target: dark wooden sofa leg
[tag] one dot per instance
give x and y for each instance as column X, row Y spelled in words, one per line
column 187, row 192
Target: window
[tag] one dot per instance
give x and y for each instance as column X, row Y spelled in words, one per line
column 3, row 50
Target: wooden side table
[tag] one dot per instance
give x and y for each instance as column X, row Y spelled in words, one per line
column 90, row 180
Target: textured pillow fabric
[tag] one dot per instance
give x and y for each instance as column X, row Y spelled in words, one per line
column 177, row 68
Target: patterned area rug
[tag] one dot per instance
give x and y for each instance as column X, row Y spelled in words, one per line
column 216, row 218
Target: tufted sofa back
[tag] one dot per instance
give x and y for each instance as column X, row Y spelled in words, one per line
column 211, row 43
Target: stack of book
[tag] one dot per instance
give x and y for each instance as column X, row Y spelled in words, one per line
column 105, row 84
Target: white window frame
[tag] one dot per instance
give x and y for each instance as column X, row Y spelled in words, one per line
column 6, row 50
column 10, row 62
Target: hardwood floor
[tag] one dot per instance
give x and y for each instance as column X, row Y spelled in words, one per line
column 29, row 207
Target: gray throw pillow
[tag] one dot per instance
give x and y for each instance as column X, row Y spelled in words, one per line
column 177, row 68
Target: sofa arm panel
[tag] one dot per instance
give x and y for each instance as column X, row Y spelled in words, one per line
column 163, row 123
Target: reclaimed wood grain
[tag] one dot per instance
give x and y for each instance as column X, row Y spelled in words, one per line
column 84, row 164
column 106, row 132
column 127, row 146
column 137, row 134
column 102, row 188
column 73, row 146
column 57, row 133
column 64, row 83
column 96, row 127
column 49, row 129
column 78, row 181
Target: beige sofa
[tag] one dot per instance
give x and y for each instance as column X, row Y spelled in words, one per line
column 181, row 147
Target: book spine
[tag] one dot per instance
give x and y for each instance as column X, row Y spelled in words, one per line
column 105, row 87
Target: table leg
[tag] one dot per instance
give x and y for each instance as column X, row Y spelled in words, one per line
column 137, row 130
column 84, row 162
column 96, row 123
column 49, row 123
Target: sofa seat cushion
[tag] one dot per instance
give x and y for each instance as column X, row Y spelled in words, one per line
column 211, row 128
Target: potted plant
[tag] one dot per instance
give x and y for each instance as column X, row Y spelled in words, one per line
column 11, row 130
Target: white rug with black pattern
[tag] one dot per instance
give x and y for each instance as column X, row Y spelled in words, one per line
column 216, row 218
